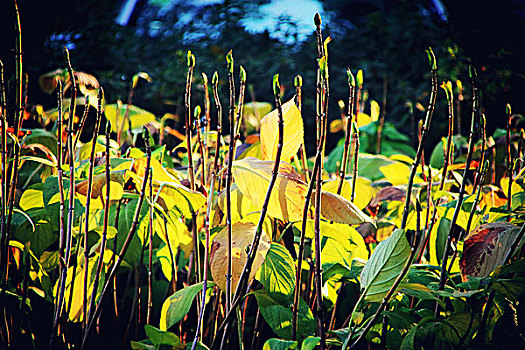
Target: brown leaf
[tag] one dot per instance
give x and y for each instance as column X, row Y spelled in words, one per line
column 485, row 249
column 242, row 237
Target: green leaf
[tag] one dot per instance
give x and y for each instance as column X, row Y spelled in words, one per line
column 310, row 343
column 159, row 337
column 278, row 314
column 277, row 273
column 178, row 304
column 137, row 116
column 409, row 341
column 385, row 265
column 279, row 344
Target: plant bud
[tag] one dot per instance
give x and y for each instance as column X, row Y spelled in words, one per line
column 508, row 110
column 359, row 78
column 242, row 74
column 204, row 78
column 276, row 86
column 317, row 19
column 197, row 112
column 351, row 79
column 229, row 60
column 298, row 81
column 190, row 59
column 215, row 78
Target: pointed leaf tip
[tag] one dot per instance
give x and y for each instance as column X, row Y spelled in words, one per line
column 229, row 60
column 472, row 72
column 359, row 78
column 197, row 112
column 276, row 86
column 190, row 59
column 242, row 74
column 351, row 79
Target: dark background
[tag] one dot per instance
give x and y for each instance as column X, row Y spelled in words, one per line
column 386, row 39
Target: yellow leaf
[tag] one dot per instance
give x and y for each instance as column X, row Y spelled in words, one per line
column 397, row 173
column 178, row 235
column 338, row 209
column 136, row 115
column 240, row 204
column 293, row 132
column 363, row 120
column 253, row 176
column 374, row 110
column 31, row 198
column 242, row 237
column 364, row 191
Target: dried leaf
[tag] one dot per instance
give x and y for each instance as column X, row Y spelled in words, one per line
column 338, row 209
column 242, row 237
column 485, row 249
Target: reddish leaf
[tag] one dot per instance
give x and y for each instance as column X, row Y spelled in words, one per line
column 485, row 249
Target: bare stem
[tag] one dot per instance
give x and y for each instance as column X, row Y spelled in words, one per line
column 457, row 209
column 88, row 203
column 424, row 131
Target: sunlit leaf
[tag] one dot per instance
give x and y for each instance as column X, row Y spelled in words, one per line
column 253, row 176
column 338, row 209
column 277, row 273
column 138, row 117
column 178, row 304
column 384, row 266
column 279, row 344
column 242, row 237
column 293, row 132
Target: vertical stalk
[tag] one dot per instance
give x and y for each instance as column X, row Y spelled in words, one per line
column 105, row 224
column 298, row 82
column 356, row 159
column 475, row 106
column 450, row 100
column 509, row 158
column 187, row 104
column 298, row 278
column 3, row 139
column 126, row 244
column 150, row 252
column 319, row 315
column 71, row 194
column 381, row 123
column 218, row 106
column 424, row 131
column 207, row 120
column 243, row 279
column 202, row 147
column 459, row 85
column 349, row 123
column 88, row 203
column 231, row 114
column 60, row 172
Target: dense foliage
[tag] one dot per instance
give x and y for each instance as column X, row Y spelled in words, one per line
column 120, row 230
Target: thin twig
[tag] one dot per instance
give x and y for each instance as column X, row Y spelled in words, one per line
column 457, row 209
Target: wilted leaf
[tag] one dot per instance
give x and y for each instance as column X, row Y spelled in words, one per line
column 293, row 132
column 253, row 176
column 242, row 237
column 385, row 265
column 485, row 249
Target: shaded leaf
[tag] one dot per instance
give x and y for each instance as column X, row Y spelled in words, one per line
column 485, row 249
